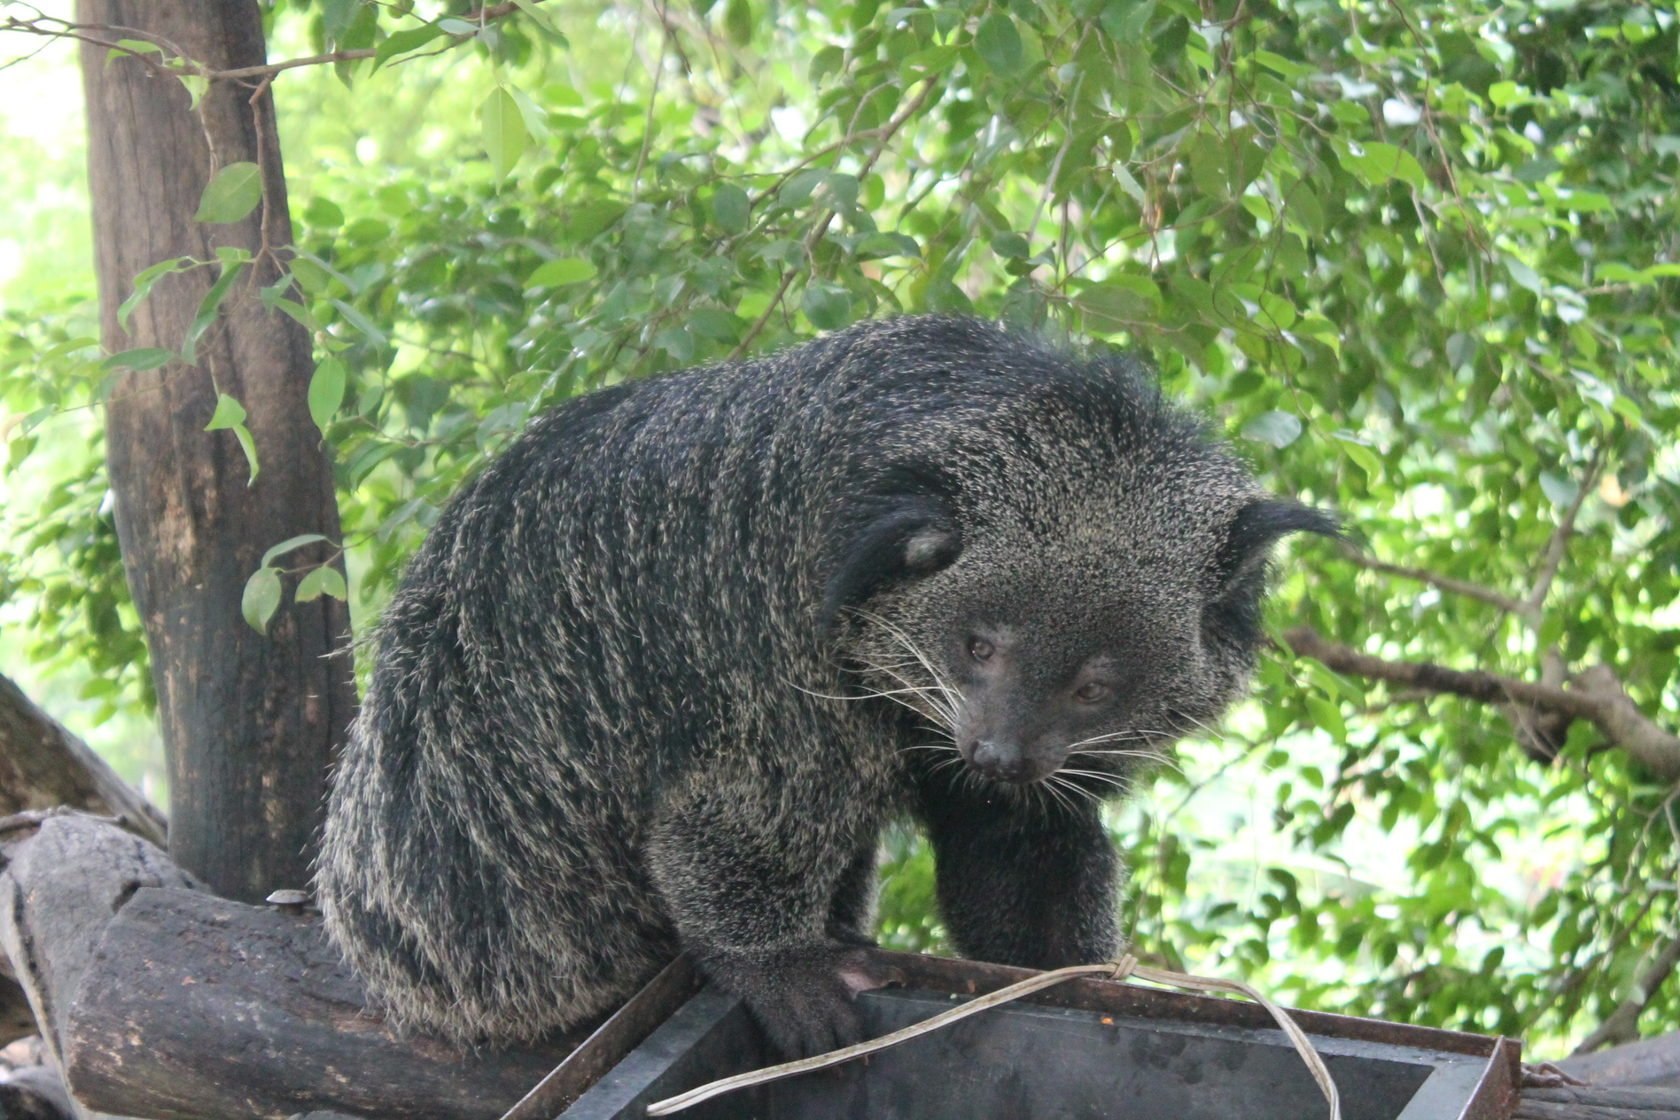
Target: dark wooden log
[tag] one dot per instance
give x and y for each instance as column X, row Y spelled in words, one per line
column 249, row 720
column 187, row 1005
column 1597, row 1102
column 44, row 765
column 62, row 883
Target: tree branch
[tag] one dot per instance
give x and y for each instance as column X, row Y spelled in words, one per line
column 43, row 765
column 1552, row 557
column 1622, row 1025
column 1594, row 695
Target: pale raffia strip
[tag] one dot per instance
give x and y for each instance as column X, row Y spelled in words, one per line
column 1123, row 969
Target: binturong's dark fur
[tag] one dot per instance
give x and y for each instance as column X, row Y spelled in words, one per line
column 662, row 672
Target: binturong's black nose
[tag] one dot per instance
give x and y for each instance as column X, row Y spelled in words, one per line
column 1001, row 761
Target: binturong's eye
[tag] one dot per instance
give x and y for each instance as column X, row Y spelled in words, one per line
column 980, row 649
column 1091, row 692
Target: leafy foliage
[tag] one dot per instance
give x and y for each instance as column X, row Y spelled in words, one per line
column 1419, row 259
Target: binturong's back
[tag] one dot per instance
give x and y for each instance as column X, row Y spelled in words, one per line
column 659, row 676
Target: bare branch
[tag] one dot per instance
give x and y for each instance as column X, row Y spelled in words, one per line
column 42, row 765
column 1622, row 1025
column 1445, row 583
column 1557, row 546
column 1594, row 695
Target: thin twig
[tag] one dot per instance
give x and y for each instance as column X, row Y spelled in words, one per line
column 1558, row 545
column 1622, row 1025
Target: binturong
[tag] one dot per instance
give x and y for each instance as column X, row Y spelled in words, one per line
column 660, row 675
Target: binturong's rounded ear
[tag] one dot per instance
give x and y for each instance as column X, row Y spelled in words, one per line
column 904, row 537
column 1257, row 526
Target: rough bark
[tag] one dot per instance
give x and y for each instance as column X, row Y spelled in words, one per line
column 162, row 1000
column 249, row 720
column 44, row 765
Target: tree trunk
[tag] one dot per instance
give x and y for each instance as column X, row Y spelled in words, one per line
column 250, row 721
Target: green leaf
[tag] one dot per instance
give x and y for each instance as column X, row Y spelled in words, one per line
column 401, row 42
column 875, row 246
column 261, row 598
column 288, row 545
column 738, row 22
column 326, row 391
column 1280, row 65
column 1011, row 245
column 731, row 209
column 249, row 446
column 1356, row 450
column 353, row 315
column 229, row 413
column 1120, row 303
column 1280, row 429
column 543, row 19
column 323, row 580
column 1560, row 490
column 560, row 272
column 1377, row 163
column 1525, row 276
column 827, row 305
column 143, row 359
column 144, row 282
column 232, row 194
column 208, row 308
column 505, row 135
column 1130, row 185
column 125, row 47
column 999, row 43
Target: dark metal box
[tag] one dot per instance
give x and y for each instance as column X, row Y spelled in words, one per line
column 1088, row 1048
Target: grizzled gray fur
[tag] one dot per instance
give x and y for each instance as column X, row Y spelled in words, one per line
column 660, row 675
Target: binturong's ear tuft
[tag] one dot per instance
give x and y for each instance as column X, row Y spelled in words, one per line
column 1258, row 526
column 908, row 537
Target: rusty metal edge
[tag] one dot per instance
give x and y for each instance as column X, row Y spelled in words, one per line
column 1495, row 1096
column 623, row 1031
column 977, row 978
column 1493, row 1099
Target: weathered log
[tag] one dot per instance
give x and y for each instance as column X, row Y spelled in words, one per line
column 43, row 765
column 162, row 1000
column 1594, row 1102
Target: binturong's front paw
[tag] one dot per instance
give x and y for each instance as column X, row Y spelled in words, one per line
column 801, row 997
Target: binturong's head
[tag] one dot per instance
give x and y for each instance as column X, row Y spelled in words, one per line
column 1063, row 586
